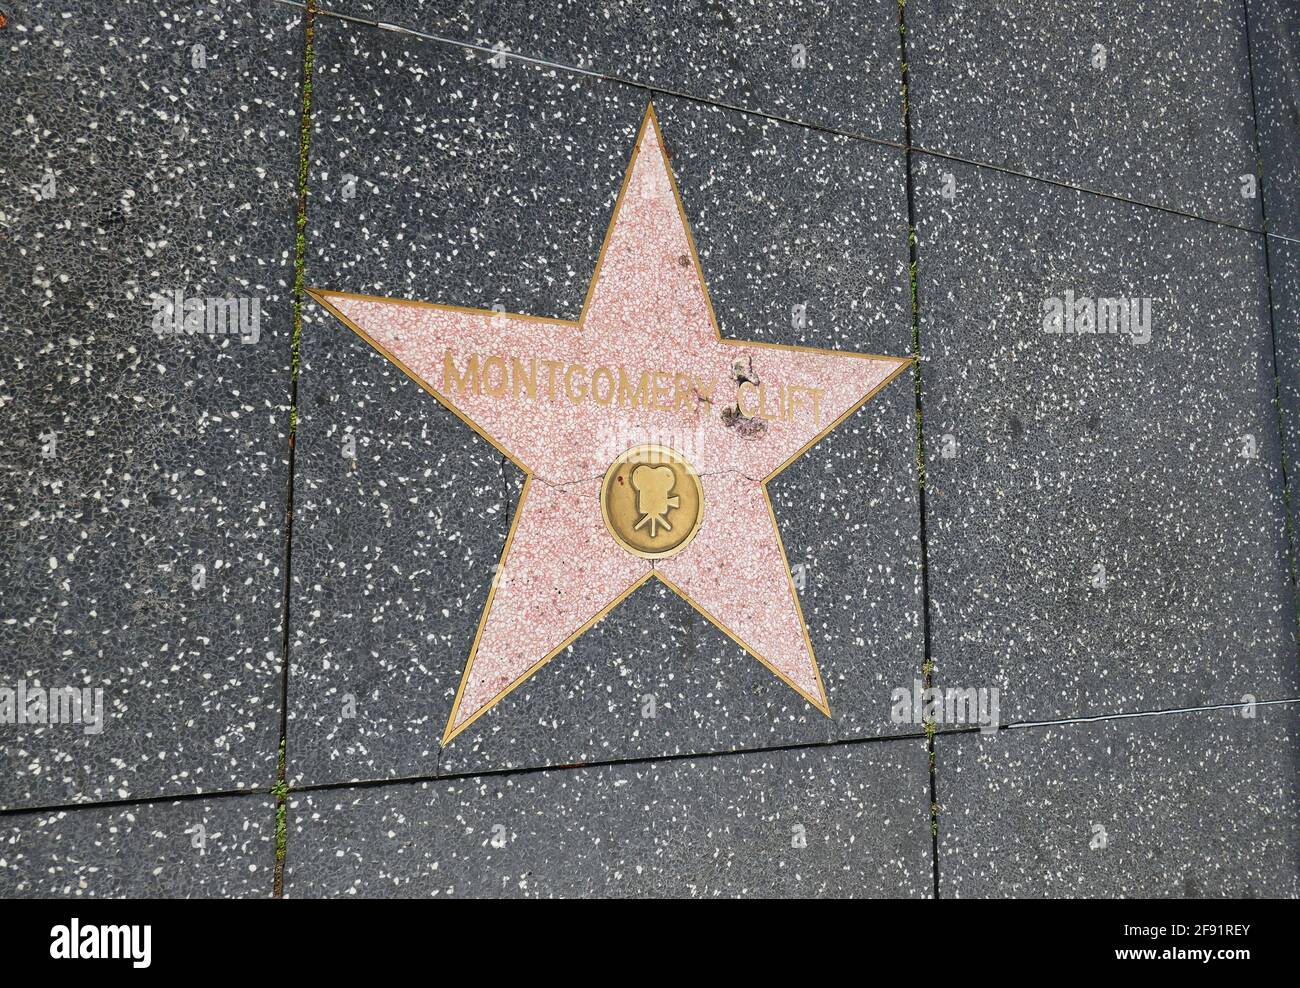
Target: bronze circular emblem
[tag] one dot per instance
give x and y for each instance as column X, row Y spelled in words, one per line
column 652, row 501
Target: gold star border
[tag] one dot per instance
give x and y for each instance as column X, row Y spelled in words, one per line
column 650, row 120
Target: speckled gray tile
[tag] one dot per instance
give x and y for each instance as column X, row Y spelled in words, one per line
column 1275, row 55
column 1105, row 516
column 1284, row 272
column 785, row 216
column 833, row 64
column 1147, row 100
column 477, row 186
column 437, row 176
column 400, row 513
column 205, row 849
column 1190, row 805
column 145, row 486
column 843, row 821
column 848, row 513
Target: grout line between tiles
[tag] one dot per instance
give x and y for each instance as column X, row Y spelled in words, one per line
column 927, row 660
column 615, row 762
column 611, row 763
column 775, row 118
column 1288, row 491
column 125, row 801
column 1149, row 713
column 280, row 790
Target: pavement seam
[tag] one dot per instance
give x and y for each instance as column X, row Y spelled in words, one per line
column 927, row 661
column 647, row 760
column 292, row 790
column 1288, row 498
column 1166, row 712
column 128, row 801
column 775, row 118
column 281, row 790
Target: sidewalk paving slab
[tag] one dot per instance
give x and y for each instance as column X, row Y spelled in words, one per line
column 222, row 847
column 1284, row 273
column 1190, row 805
column 151, row 152
column 699, row 827
column 462, row 200
column 1105, row 517
column 1147, row 101
column 832, row 64
column 1275, row 59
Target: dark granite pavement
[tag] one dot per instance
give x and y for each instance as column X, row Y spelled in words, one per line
column 1092, row 242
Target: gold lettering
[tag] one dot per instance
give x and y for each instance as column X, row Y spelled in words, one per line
column 607, row 375
column 652, row 390
column 470, row 380
column 529, row 383
column 495, row 390
column 682, row 389
column 629, row 398
column 574, row 395
column 551, row 367
column 662, row 383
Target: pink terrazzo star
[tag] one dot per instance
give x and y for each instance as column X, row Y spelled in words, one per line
column 644, row 363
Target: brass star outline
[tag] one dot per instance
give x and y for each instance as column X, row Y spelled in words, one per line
column 649, row 120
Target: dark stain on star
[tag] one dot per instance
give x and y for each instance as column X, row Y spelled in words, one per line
column 742, row 372
column 745, row 427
